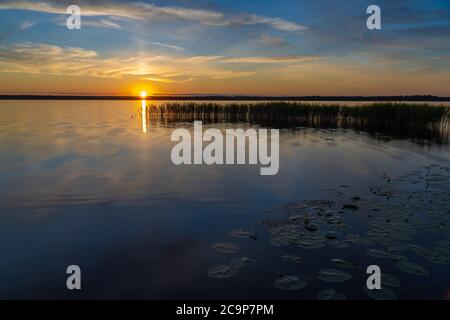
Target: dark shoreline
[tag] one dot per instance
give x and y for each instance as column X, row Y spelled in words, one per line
column 414, row 98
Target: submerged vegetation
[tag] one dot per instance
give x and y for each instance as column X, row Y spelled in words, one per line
column 414, row 120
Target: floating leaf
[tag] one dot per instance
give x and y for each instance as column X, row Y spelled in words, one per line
column 311, row 227
column 291, row 258
column 382, row 294
column 331, row 294
column 289, row 283
column 333, row 275
column 439, row 259
column 241, row 263
column 221, row 271
column 311, row 242
column 240, row 233
column 344, row 264
column 225, row 247
column 326, row 294
column 331, row 235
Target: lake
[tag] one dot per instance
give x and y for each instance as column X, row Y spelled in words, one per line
column 88, row 183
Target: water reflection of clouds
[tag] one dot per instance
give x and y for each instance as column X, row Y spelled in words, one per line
column 107, row 158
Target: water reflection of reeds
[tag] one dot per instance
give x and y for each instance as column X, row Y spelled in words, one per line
column 406, row 120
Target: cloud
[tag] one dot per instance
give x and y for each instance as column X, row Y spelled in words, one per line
column 146, row 11
column 102, row 23
column 90, row 22
column 276, row 23
column 288, row 59
column 276, row 41
column 164, row 45
column 27, row 24
column 40, row 58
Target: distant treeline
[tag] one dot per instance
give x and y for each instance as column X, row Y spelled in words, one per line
column 421, row 98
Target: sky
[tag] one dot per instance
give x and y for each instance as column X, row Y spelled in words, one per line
column 248, row 47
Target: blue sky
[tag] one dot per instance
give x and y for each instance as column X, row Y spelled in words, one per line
column 221, row 46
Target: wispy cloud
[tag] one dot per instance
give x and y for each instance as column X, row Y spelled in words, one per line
column 102, row 23
column 90, row 22
column 146, row 11
column 288, row 59
column 39, row 58
column 276, row 41
column 27, row 24
column 276, row 23
column 164, row 45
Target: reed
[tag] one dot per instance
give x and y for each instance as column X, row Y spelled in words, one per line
column 395, row 118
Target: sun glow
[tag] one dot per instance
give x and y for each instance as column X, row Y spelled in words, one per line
column 143, row 94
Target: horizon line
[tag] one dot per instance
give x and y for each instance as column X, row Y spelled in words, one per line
column 419, row 98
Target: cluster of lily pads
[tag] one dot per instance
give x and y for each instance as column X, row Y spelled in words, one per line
column 401, row 221
column 233, row 267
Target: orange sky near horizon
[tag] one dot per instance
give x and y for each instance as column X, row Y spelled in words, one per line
column 315, row 79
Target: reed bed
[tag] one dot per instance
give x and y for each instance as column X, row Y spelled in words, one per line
column 394, row 118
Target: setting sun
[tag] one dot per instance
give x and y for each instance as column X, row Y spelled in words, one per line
column 143, row 94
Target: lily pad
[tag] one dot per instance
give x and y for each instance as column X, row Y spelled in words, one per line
column 331, row 235
column 290, row 283
column 326, row 294
column 221, row 271
column 311, row 227
column 243, row 234
column 331, row 294
column 382, row 294
column 225, row 247
column 333, row 275
column 241, row 263
column 343, row 263
column 311, row 241
column 291, row 258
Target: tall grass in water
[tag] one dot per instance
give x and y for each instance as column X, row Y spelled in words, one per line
column 416, row 120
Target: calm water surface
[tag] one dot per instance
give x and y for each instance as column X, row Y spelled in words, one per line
column 83, row 182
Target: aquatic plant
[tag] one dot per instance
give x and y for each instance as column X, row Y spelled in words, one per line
column 415, row 120
column 389, row 233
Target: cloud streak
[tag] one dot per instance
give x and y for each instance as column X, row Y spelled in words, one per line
column 102, row 23
column 288, row 59
column 40, row 58
column 145, row 12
